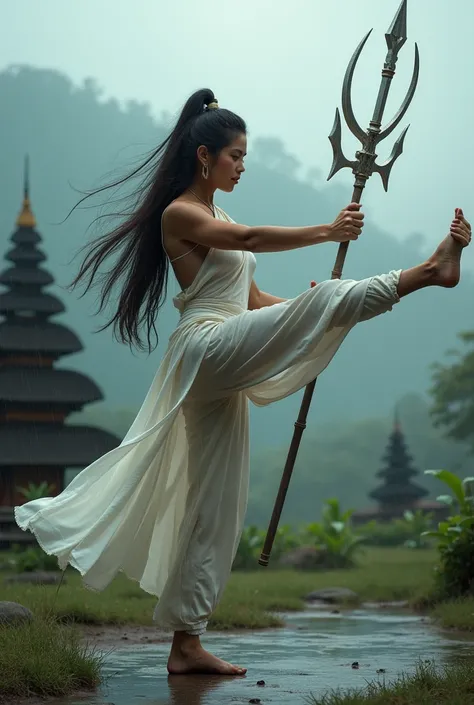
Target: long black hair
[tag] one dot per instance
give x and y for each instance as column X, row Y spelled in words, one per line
column 142, row 264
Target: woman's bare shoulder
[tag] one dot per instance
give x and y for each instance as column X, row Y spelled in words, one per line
column 182, row 213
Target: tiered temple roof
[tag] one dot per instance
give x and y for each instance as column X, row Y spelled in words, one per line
column 36, row 397
column 397, row 473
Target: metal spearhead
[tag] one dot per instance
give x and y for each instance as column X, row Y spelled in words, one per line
column 365, row 163
column 396, row 35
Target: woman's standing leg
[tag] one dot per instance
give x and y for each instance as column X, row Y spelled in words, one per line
column 217, row 433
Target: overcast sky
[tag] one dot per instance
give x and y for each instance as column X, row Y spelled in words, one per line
column 281, row 65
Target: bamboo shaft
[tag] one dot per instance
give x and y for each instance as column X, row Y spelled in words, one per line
column 300, row 423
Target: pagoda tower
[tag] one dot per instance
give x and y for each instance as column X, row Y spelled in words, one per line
column 398, row 492
column 36, row 445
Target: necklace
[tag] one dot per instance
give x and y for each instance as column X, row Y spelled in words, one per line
column 209, row 205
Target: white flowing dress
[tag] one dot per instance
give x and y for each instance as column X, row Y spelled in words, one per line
column 167, row 506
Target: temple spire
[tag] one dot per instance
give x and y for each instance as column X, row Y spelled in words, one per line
column 396, row 420
column 26, row 219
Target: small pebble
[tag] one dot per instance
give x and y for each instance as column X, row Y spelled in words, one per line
column 355, row 664
column 260, row 683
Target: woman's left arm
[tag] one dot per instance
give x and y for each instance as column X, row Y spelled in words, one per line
column 259, row 299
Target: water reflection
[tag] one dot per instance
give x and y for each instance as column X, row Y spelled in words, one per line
column 313, row 654
column 193, row 690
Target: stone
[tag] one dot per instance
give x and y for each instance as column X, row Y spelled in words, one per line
column 303, row 558
column 36, row 578
column 332, row 595
column 12, row 613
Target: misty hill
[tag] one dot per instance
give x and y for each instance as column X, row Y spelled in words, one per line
column 75, row 138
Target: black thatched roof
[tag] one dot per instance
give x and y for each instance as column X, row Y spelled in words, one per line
column 57, row 445
column 25, row 255
column 26, row 275
column 394, row 493
column 33, row 335
column 43, row 385
column 26, row 235
column 13, row 302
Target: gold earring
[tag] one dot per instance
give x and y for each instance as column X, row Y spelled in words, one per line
column 205, row 171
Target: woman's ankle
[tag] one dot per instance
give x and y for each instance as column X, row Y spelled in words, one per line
column 186, row 642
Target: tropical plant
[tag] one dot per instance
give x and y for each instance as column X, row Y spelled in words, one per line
column 251, row 544
column 455, row 537
column 34, row 559
column 334, row 536
column 36, row 491
column 250, row 541
column 417, row 523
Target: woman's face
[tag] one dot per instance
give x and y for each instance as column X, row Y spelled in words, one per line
column 226, row 170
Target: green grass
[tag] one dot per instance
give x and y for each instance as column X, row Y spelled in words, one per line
column 383, row 574
column 44, row 659
column 450, row 685
column 457, row 614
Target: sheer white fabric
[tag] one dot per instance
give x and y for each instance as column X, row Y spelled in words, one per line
column 167, row 506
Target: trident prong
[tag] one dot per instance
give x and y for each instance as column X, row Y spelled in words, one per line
column 385, row 168
column 365, row 163
column 351, row 121
column 339, row 161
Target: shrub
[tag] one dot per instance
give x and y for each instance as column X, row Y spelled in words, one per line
column 334, row 536
column 34, row 558
column 455, row 536
column 407, row 531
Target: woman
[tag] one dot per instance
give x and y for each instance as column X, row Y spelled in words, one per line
column 167, row 506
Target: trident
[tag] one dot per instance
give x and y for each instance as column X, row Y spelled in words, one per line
column 362, row 167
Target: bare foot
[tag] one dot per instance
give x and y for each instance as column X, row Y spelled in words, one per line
column 446, row 263
column 185, row 660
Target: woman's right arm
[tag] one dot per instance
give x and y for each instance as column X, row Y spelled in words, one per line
column 189, row 223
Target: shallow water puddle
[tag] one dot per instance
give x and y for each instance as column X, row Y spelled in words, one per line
column 312, row 655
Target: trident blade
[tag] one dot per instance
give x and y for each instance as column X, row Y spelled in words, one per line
column 396, row 35
column 339, row 160
column 406, row 103
column 351, row 121
column 385, row 168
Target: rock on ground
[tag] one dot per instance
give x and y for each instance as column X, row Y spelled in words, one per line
column 332, row 595
column 12, row 613
column 44, row 577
